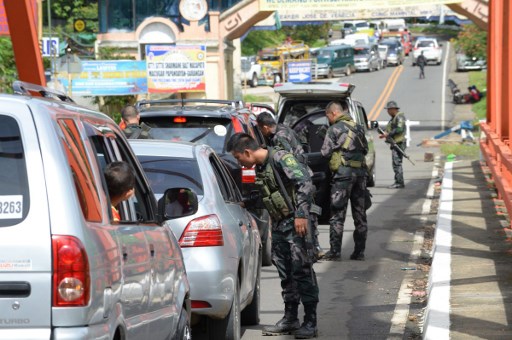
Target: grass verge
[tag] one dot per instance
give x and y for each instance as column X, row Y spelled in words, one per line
column 462, row 151
column 251, row 98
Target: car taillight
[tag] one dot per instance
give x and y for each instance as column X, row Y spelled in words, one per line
column 71, row 278
column 248, row 175
column 204, row 231
column 278, row 85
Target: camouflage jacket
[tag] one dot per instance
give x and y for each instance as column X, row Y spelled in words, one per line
column 396, row 127
column 335, row 140
column 295, row 178
column 134, row 131
column 286, row 139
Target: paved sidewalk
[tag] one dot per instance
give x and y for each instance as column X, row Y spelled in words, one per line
column 470, row 283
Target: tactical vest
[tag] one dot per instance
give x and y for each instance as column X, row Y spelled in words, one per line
column 343, row 156
column 272, row 198
column 399, row 137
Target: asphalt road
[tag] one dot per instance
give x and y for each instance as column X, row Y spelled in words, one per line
column 368, row 300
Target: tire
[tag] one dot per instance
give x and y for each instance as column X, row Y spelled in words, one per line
column 267, row 247
column 330, row 74
column 251, row 313
column 254, row 80
column 230, row 327
column 348, row 70
column 184, row 332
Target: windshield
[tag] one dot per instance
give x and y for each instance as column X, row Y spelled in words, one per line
column 362, row 24
column 166, row 172
column 361, row 51
column 324, row 56
column 270, row 58
column 203, row 130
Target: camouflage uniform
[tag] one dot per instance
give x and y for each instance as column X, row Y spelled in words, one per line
column 289, row 252
column 285, row 138
column 396, row 131
column 135, row 131
column 348, row 183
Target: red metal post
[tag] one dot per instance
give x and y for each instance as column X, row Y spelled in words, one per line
column 506, row 89
column 494, row 41
column 29, row 62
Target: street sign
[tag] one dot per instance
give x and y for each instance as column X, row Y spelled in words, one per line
column 299, row 71
column 50, row 47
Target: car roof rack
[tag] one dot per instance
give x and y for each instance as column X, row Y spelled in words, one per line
column 235, row 104
column 25, row 88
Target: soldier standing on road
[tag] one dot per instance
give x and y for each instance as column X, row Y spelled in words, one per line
column 396, row 131
column 345, row 146
column 289, row 207
column 133, row 129
column 283, row 137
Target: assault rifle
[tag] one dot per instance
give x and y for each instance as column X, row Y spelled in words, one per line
column 310, row 247
column 394, row 145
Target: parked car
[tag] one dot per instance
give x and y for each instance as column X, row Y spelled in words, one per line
column 383, row 54
column 302, row 107
column 396, row 54
column 431, row 49
column 366, row 57
column 68, row 270
column 251, row 70
column 335, row 60
column 210, row 122
column 220, row 239
column 465, row 63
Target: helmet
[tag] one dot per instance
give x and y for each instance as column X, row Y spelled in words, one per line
column 391, row 105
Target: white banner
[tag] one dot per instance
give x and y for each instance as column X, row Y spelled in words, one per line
column 331, row 5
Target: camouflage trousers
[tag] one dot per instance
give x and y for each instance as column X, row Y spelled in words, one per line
column 397, row 159
column 289, row 255
column 344, row 190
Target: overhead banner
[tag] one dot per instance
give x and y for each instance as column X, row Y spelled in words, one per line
column 108, row 78
column 331, row 5
column 367, row 13
column 4, row 27
column 176, row 68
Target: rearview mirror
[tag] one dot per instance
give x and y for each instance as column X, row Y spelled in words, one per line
column 176, row 203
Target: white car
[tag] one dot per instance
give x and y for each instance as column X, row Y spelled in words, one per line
column 431, row 49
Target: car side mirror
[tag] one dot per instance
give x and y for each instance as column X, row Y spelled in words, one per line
column 176, row 203
column 373, row 124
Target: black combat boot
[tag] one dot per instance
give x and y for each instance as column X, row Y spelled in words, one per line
column 360, row 245
column 308, row 328
column 288, row 324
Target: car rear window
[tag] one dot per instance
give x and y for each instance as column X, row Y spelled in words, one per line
column 14, row 190
column 425, row 43
column 204, row 130
column 294, row 110
column 361, row 51
column 166, row 172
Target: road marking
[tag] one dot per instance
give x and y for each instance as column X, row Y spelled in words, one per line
column 437, row 313
column 402, row 308
column 443, row 87
column 379, row 104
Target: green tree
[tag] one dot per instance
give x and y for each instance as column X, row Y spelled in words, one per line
column 472, row 41
column 8, row 72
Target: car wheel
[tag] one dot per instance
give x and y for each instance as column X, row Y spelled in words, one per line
column 184, row 331
column 267, row 247
column 348, row 70
column 330, row 74
column 251, row 313
column 254, row 81
column 413, row 64
column 439, row 62
column 230, row 327
column 378, row 67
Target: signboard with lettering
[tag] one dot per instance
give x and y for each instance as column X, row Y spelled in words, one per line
column 307, row 5
column 108, row 78
column 176, row 68
column 50, row 47
column 299, row 71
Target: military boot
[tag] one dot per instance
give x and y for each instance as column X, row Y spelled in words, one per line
column 288, row 324
column 360, row 245
column 308, row 328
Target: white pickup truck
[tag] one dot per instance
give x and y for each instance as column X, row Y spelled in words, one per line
column 250, row 71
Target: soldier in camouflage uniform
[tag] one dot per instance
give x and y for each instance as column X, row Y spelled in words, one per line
column 345, row 146
column 290, row 211
column 396, row 130
column 131, row 119
column 283, row 137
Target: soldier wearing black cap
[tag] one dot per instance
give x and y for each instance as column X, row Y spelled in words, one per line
column 396, row 131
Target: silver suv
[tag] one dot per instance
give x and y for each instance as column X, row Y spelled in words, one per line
column 67, row 270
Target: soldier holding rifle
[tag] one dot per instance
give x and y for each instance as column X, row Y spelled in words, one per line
column 287, row 193
column 395, row 135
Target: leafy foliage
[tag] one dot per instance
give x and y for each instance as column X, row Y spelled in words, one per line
column 8, row 72
column 257, row 40
column 472, row 41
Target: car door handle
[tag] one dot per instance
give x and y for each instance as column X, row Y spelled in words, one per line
column 125, row 253
column 240, row 223
column 152, row 250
